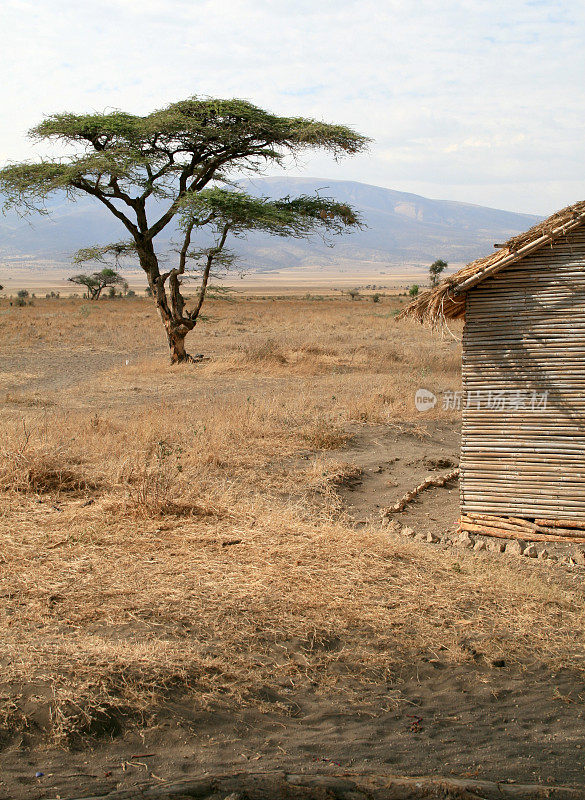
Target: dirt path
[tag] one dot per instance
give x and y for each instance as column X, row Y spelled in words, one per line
column 58, row 371
column 395, row 458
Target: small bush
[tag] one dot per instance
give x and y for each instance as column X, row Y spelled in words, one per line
column 326, row 435
column 152, row 486
column 267, row 351
column 39, row 470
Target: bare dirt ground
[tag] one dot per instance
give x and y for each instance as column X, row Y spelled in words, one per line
column 194, row 576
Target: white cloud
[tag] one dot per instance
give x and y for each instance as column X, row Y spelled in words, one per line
column 479, row 100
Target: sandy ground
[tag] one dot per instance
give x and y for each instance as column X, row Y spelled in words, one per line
column 478, row 723
column 513, row 722
column 318, row 280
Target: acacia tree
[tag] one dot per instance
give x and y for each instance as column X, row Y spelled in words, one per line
column 435, row 270
column 171, row 155
column 97, row 281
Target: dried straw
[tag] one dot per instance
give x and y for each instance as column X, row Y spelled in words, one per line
column 448, row 299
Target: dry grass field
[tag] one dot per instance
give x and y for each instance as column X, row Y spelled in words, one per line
column 181, row 573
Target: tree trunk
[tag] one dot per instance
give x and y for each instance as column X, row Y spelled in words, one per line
column 176, row 329
column 177, row 346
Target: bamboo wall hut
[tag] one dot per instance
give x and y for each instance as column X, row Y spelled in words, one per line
column 522, row 468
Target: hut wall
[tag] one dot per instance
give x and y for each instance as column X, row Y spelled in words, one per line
column 523, row 451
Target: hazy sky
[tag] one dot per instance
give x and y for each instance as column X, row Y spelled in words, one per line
column 481, row 100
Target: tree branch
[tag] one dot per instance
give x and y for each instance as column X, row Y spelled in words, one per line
column 185, row 247
column 199, row 183
column 85, row 187
column 216, row 250
column 130, row 201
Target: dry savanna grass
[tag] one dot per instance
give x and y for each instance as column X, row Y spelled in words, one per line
column 176, row 534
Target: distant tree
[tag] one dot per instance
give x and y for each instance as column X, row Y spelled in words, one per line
column 172, row 155
column 413, row 291
column 376, row 297
column 22, row 297
column 354, row 294
column 97, row 281
column 435, row 270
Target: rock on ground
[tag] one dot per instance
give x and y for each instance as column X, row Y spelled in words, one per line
column 516, row 548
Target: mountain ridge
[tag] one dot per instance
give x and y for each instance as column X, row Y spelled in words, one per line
column 402, row 228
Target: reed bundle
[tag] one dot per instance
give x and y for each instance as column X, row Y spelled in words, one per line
column 518, row 528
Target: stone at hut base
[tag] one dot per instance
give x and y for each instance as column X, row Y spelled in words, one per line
column 531, row 552
column 516, row 548
column 479, row 545
column 464, row 540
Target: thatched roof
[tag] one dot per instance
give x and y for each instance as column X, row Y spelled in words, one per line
column 447, row 300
